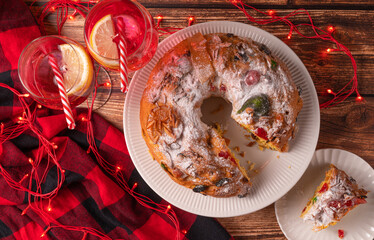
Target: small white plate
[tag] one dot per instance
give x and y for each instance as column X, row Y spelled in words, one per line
column 357, row 224
column 277, row 175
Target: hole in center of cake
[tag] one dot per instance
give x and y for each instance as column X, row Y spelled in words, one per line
column 217, row 111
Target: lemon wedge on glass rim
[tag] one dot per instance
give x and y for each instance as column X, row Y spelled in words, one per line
column 102, row 47
column 79, row 69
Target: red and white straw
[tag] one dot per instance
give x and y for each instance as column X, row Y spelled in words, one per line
column 122, row 56
column 61, row 87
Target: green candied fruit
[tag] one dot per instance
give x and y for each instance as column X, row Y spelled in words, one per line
column 274, row 64
column 259, row 103
column 164, row 166
column 314, row 200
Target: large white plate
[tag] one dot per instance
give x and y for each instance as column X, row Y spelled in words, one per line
column 278, row 172
column 357, row 224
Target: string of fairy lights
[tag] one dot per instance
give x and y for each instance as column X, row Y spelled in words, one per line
column 271, row 16
column 42, row 203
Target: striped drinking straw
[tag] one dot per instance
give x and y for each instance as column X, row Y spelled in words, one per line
column 61, row 88
column 122, row 56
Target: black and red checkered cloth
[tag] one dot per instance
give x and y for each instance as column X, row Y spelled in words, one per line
column 89, row 197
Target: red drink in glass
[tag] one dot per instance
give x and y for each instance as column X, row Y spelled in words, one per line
column 101, row 33
column 37, row 76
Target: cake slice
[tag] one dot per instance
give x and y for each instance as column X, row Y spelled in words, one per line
column 334, row 198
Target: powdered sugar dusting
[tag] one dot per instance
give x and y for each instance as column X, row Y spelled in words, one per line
column 190, row 151
column 332, row 205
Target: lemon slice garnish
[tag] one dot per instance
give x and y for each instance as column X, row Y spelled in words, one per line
column 77, row 68
column 101, row 40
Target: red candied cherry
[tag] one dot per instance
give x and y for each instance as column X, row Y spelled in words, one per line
column 324, row 188
column 348, row 203
column 260, row 132
column 334, row 204
column 226, row 155
column 252, row 77
column 222, row 88
column 341, row 233
column 223, row 154
column 359, row 201
column 212, row 87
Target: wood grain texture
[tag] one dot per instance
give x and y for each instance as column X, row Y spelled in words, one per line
column 196, row 3
column 353, row 28
column 334, row 3
column 206, row 3
column 258, row 225
column 222, row 3
column 348, row 126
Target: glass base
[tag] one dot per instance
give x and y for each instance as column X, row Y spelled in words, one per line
column 103, row 89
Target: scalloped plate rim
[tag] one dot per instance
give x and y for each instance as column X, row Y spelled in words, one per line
column 313, row 105
column 326, row 234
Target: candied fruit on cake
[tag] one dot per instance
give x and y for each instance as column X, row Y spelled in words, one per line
column 265, row 101
column 334, row 198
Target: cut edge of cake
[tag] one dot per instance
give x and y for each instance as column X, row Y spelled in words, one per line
column 339, row 207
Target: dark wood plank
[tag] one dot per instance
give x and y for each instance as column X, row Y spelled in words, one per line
column 207, row 3
column 320, row 4
column 334, row 3
column 258, row 225
column 194, row 3
column 355, row 29
column 349, row 126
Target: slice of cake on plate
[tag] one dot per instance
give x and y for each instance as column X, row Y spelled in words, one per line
column 334, row 198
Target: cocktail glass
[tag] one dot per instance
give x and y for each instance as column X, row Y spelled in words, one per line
column 101, row 33
column 37, row 77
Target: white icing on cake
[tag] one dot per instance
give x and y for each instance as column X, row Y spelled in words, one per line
column 330, row 205
column 230, row 84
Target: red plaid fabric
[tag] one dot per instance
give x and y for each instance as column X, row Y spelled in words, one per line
column 89, row 197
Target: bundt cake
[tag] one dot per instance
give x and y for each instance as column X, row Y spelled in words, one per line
column 264, row 101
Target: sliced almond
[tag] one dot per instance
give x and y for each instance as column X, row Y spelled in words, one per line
column 150, row 124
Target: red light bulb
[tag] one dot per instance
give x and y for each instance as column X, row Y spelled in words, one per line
column 191, row 20
column 168, row 208
column 331, row 28
column 134, row 186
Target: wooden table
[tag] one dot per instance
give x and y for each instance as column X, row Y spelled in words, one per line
column 349, row 125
